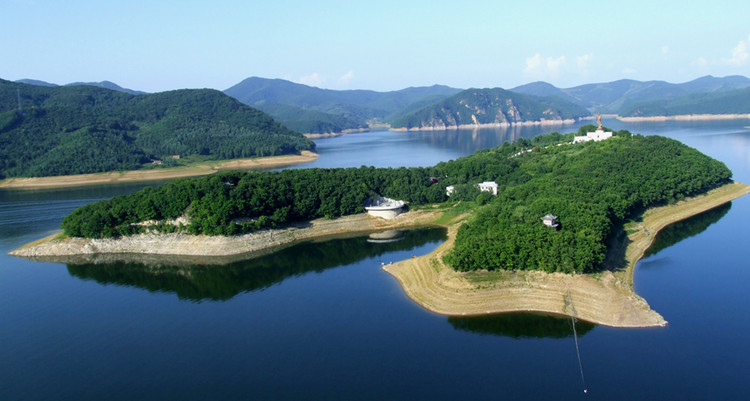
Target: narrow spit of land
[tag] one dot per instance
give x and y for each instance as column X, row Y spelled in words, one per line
column 606, row 298
column 158, row 174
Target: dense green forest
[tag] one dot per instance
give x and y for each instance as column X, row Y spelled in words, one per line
column 490, row 106
column 733, row 102
column 589, row 186
column 355, row 106
column 622, row 97
column 309, row 121
column 86, row 129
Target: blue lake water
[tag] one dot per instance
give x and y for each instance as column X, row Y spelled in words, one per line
column 323, row 321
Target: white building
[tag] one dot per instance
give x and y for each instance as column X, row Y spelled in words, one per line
column 385, row 208
column 488, row 186
column 598, row 135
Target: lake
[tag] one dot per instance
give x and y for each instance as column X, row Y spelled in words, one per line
column 322, row 321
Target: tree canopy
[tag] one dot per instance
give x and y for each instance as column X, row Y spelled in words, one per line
column 86, row 129
column 589, row 186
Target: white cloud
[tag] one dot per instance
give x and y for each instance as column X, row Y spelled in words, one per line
column 583, row 62
column 629, row 71
column 700, row 62
column 313, row 79
column 346, row 78
column 740, row 54
column 541, row 67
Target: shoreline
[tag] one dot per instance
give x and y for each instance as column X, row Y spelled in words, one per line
column 685, row 117
column 132, row 176
column 234, row 247
column 607, row 298
column 489, row 125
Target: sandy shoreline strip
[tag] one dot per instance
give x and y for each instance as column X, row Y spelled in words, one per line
column 155, row 174
column 607, row 298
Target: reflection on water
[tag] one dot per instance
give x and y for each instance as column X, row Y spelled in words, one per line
column 219, row 283
column 687, row 228
column 521, row 325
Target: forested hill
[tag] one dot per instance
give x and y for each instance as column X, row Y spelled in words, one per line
column 490, row 106
column 87, row 129
column 626, row 96
column 590, row 186
column 336, row 110
column 733, row 102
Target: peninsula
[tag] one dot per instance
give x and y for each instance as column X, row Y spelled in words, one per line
column 157, row 174
column 496, row 239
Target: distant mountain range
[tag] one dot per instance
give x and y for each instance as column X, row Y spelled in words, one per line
column 359, row 108
column 629, row 98
column 59, row 130
column 102, row 84
column 490, row 106
column 313, row 110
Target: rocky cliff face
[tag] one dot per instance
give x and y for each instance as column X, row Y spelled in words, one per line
column 477, row 107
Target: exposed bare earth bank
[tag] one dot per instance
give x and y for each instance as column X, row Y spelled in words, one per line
column 157, row 174
column 605, row 298
column 59, row 247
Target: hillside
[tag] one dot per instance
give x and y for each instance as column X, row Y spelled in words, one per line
column 733, row 102
column 87, row 129
column 357, row 106
column 309, row 121
column 622, row 96
column 490, row 106
column 102, row 84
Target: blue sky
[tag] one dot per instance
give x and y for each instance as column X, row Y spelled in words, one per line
column 382, row 45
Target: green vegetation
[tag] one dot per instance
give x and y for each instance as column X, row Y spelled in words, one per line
column 590, row 186
column 86, row 129
column 733, row 102
column 490, row 106
column 309, row 121
column 627, row 97
column 358, row 107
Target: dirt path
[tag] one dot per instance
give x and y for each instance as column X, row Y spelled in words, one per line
column 155, row 174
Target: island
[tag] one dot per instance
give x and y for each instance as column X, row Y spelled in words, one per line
column 500, row 256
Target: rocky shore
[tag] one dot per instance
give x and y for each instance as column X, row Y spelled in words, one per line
column 60, row 248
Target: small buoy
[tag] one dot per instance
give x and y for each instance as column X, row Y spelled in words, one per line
column 585, row 391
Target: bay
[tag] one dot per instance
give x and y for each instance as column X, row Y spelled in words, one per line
column 322, row 321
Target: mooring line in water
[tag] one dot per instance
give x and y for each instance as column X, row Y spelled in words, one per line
column 578, row 352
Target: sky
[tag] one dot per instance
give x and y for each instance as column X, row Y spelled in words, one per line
column 159, row 45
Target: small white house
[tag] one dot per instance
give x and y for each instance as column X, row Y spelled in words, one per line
column 596, row 136
column 550, row 220
column 488, row 186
